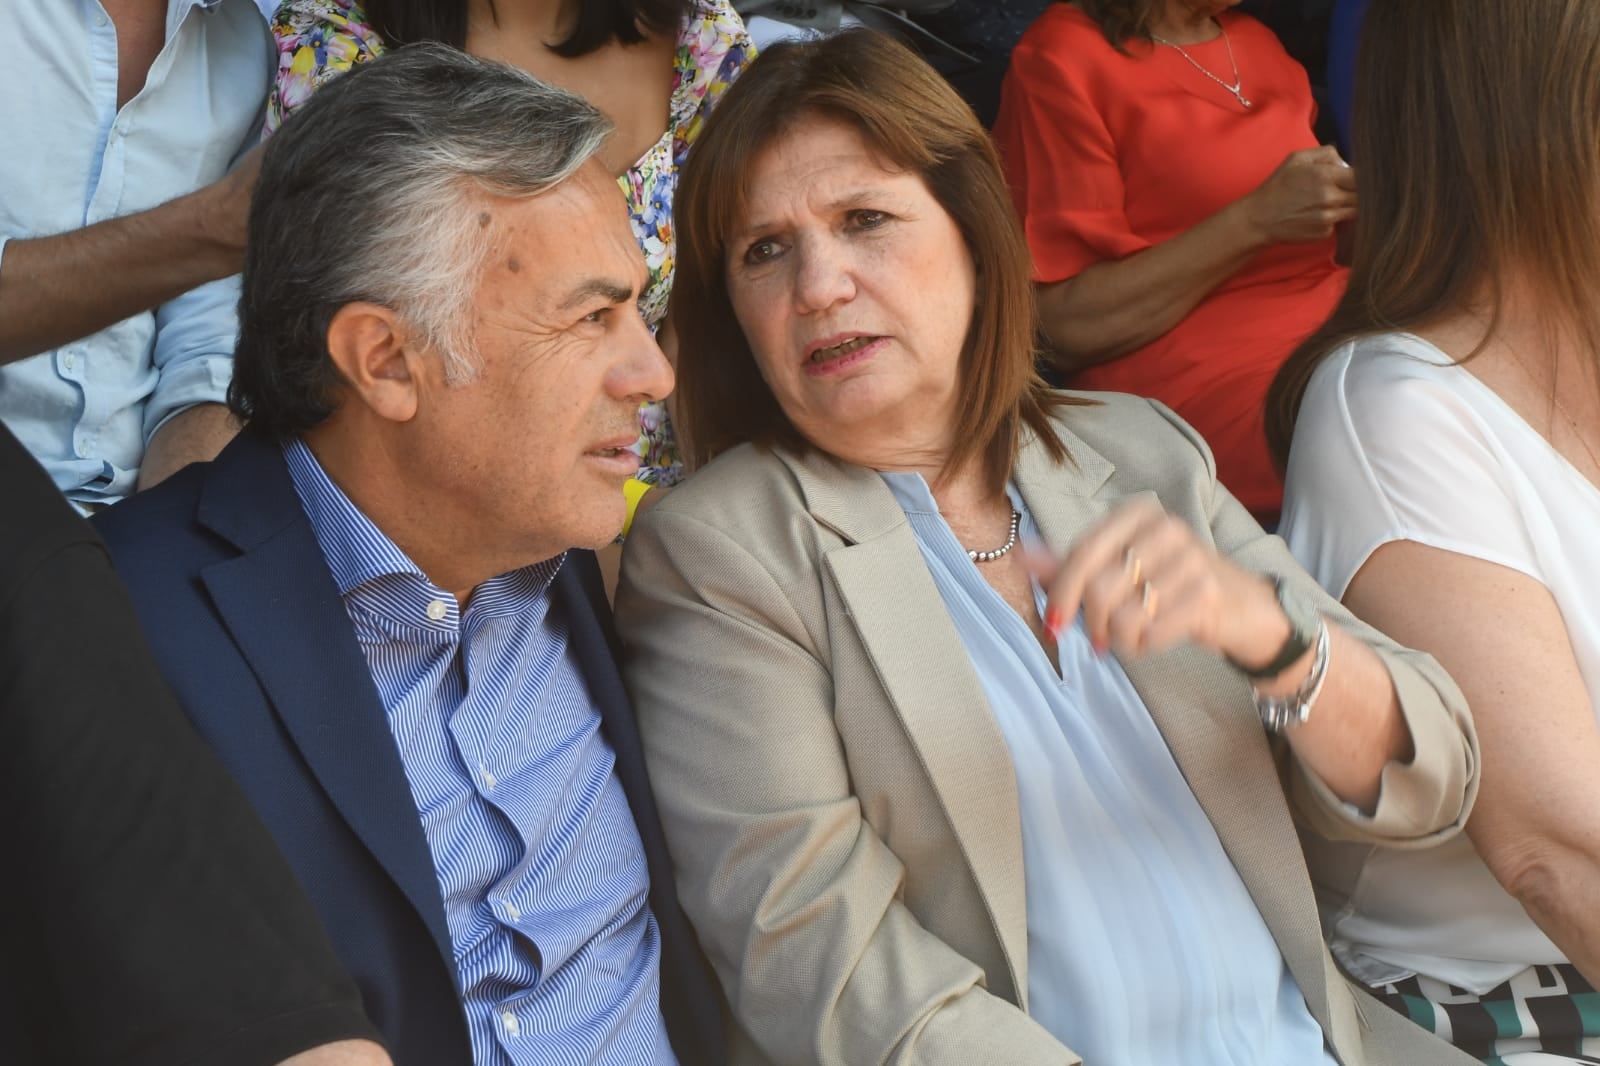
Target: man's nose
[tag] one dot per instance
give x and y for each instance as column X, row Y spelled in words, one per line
column 645, row 373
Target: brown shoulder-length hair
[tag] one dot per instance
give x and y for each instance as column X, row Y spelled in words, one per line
column 918, row 124
column 1121, row 20
column 1477, row 147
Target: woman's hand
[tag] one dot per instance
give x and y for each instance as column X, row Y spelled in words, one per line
column 1310, row 193
column 1145, row 583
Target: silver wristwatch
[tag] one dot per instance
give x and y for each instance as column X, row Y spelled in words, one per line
column 1280, row 712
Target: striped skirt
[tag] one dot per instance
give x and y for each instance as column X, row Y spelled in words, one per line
column 1543, row 1016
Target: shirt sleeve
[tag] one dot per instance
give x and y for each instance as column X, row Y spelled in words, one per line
column 317, row 40
column 1387, row 448
column 157, row 921
column 193, row 356
column 1062, row 165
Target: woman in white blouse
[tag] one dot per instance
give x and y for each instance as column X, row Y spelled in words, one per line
column 1444, row 481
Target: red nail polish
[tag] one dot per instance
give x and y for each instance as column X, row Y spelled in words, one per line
column 1101, row 647
column 1053, row 621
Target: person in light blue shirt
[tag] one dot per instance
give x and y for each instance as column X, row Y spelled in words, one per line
column 120, row 230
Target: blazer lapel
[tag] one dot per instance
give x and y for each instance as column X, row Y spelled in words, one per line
column 1203, row 711
column 283, row 610
column 924, row 669
column 1065, row 499
column 692, row 1015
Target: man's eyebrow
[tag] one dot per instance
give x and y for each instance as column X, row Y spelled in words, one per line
column 614, row 291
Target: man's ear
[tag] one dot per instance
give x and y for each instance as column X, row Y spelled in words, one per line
column 377, row 356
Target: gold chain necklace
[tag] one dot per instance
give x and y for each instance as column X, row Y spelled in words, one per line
column 1238, row 82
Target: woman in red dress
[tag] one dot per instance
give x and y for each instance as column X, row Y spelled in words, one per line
column 1180, row 212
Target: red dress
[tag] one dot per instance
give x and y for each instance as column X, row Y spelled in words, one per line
column 1109, row 154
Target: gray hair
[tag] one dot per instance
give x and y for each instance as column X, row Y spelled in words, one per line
column 370, row 192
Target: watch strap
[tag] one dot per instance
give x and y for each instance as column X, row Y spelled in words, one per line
column 1298, row 642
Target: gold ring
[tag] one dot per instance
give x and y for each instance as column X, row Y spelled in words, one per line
column 1134, row 565
column 1149, row 598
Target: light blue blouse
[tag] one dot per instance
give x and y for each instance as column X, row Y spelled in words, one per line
column 1144, row 946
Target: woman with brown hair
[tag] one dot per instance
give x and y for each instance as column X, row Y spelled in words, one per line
column 920, row 811
column 1444, row 480
column 1179, row 209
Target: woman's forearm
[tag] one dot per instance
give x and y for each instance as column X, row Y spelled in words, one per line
column 1356, row 727
column 1117, row 307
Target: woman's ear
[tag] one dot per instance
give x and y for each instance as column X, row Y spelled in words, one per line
column 373, row 350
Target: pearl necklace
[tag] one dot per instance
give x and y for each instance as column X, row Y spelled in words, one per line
column 991, row 556
column 1238, row 82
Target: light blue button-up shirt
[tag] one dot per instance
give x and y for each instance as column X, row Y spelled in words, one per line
column 540, row 865
column 1144, row 947
column 87, row 410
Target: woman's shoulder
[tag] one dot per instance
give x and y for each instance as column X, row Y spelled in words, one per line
column 1061, row 23
column 745, row 494
column 741, row 472
column 321, row 19
column 1379, row 376
column 317, row 40
column 751, row 506
column 1063, row 37
column 713, row 50
column 1123, row 427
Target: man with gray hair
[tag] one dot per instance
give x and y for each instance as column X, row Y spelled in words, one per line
column 379, row 606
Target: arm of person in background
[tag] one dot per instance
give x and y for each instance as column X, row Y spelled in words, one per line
column 1537, row 822
column 796, row 899
column 185, row 419
column 316, row 42
column 1117, row 307
column 54, row 290
column 1108, row 291
column 194, row 435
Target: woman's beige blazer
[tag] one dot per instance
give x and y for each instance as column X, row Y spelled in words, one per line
column 840, row 802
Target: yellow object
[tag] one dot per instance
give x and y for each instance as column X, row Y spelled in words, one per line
column 633, row 491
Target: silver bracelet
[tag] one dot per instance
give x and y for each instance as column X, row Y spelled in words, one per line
column 1280, row 712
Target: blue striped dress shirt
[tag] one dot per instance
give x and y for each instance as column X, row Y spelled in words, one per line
column 539, row 862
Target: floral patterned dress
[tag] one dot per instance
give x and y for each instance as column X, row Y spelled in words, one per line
column 321, row 39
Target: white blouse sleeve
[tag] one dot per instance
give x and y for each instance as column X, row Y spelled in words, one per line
column 1391, row 447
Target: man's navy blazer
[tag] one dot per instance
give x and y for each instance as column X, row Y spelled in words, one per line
column 247, row 624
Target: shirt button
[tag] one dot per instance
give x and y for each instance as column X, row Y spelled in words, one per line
column 509, row 1020
column 487, row 777
column 69, row 361
column 512, row 912
column 437, row 610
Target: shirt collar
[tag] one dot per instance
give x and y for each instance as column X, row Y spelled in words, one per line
column 356, row 550
column 358, row 553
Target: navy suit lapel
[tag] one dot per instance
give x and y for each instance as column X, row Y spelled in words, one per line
column 283, row 610
column 688, row 1003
